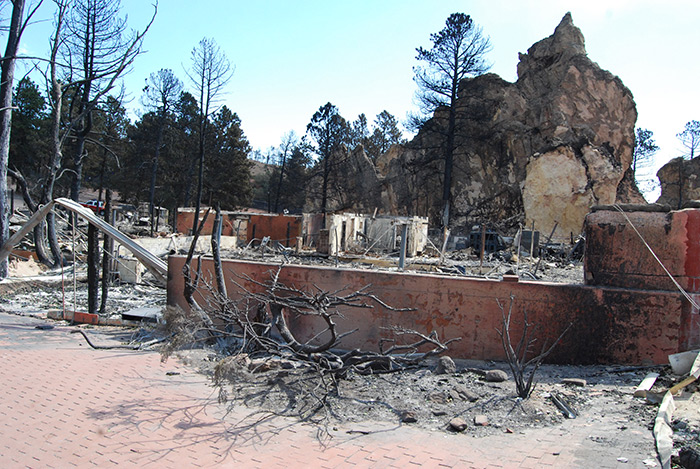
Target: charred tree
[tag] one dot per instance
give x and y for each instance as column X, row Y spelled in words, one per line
column 17, row 24
column 211, row 71
column 457, row 52
column 329, row 130
column 161, row 94
column 99, row 52
column 93, row 264
column 107, row 249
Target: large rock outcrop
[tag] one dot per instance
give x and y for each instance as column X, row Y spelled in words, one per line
column 542, row 149
column 680, row 183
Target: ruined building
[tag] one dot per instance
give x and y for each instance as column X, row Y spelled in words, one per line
column 543, row 149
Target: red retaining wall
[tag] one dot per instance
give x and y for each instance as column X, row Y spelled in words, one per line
column 610, row 325
column 616, row 256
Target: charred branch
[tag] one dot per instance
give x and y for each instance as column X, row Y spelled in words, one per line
column 522, row 367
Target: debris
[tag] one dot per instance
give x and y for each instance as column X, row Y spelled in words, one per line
column 574, row 381
column 445, row 366
column 510, row 430
column 262, row 365
column 458, row 424
column 681, row 363
column 655, row 397
column 623, row 460
column 496, row 376
column 537, row 266
column 44, row 327
column 463, row 393
column 646, row 385
column 172, row 373
column 650, row 462
column 481, row 421
column 679, row 425
column 689, row 458
column 408, row 416
column 438, row 397
column 678, row 387
column 144, row 314
column 561, row 403
column 663, row 432
column 140, row 346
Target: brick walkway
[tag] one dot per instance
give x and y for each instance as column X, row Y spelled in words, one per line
column 67, row 405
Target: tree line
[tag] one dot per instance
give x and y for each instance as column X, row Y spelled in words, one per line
column 156, row 158
column 185, row 149
column 304, row 172
column 71, row 129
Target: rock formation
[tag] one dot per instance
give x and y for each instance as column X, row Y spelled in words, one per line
column 680, row 184
column 542, row 149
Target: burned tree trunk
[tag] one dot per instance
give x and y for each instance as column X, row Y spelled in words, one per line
column 39, row 229
column 106, row 255
column 93, row 263
column 216, row 252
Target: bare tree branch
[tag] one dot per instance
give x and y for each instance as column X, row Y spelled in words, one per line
column 523, row 369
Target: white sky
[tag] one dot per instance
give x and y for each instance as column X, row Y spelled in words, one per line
column 293, row 56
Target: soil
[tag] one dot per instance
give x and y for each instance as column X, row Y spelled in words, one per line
column 24, row 268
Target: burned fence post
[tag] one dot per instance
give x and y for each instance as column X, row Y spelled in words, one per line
column 402, row 253
column 537, row 266
column 483, row 248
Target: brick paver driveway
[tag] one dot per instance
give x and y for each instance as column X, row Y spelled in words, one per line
column 67, row 405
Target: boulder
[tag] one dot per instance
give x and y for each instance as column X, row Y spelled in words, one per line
column 408, row 416
column 461, row 392
column 496, row 376
column 458, row 424
column 683, row 174
column 445, row 366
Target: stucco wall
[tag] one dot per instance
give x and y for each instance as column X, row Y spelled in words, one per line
column 282, row 228
column 233, row 224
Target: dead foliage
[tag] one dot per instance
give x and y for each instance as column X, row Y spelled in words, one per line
column 253, row 335
column 256, row 325
column 522, row 367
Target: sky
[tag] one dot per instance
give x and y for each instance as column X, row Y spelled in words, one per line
column 293, row 56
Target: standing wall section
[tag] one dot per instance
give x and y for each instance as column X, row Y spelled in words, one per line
column 616, row 256
column 281, row 228
column 609, row 325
